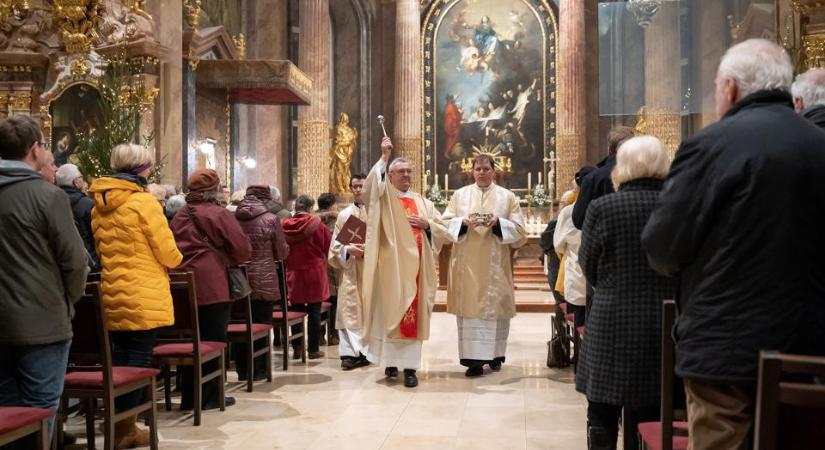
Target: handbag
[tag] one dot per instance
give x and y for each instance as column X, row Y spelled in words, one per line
column 238, row 283
column 558, row 347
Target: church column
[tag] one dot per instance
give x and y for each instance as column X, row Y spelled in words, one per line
column 408, row 87
column 313, row 120
column 663, row 75
column 572, row 95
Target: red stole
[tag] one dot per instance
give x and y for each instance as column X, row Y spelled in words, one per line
column 409, row 323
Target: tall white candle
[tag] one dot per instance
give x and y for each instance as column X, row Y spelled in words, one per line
column 529, row 181
column 446, row 183
column 539, row 177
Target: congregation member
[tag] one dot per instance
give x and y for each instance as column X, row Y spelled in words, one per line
column 399, row 267
column 328, row 213
column 48, row 170
column 740, row 222
column 136, row 249
column 70, row 180
column 808, row 92
column 211, row 240
column 276, row 206
column 598, row 182
column 44, row 273
column 236, row 199
column 306, row 271
column 349, row 261
column 619, row 366
column 566, row 241
column 268, row 245
column 485, row 223
column 173, row 205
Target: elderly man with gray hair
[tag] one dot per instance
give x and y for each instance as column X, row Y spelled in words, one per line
column 70, row 180
column 740, row 222
column 808, row 92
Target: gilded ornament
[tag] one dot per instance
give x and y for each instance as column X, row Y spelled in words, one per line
column 193, row 13
column 343, row 147
column 813, row 48
column 77, row 21
column 80, row 67
column 240, row 44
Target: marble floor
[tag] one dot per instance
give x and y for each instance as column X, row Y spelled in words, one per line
column 318, row 406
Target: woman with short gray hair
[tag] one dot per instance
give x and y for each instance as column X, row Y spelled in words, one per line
column 620, row 356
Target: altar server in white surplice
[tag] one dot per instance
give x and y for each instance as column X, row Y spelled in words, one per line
column 349, row 260
column 484, row 222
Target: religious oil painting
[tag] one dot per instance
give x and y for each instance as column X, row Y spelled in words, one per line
column 489, row 88
column 76, row 112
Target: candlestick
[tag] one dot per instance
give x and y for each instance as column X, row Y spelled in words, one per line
column 539, row 177
column 446, row 183
column 529, row 181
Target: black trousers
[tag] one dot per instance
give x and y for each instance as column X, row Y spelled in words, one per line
column 603, row 424
column 212, row 320
column 313, row 311
column 132, row 349
column 261, row 313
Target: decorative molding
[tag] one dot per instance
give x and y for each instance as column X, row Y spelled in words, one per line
column 78, row 21
column 313, row 159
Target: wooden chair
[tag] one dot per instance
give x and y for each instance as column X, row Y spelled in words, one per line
column 328, row 320
column 17, row 422
column 666, row 434
column 181, row 345
column 283, row 319
column 241, row 330
column 790, row 405
column 91, row 375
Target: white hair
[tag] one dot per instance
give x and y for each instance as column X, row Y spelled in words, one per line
column 397, row 161
column 175, row 203
column 275, row 193
column 810, row 87
column 640, row 157
column 757, row 64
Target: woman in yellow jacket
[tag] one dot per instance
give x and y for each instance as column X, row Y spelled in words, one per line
column 136, row 248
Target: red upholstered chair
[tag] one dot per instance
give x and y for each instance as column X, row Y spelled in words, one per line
column 242, row 330
column 17, row 422
column 90, row 375
column 666, row 434
column 283, row 319
column 790, row 405
column 180, row 345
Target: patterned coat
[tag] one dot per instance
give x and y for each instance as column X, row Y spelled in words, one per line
column 620, row 359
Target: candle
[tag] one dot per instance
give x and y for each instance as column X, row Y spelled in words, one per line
column 529, row 181
column 446, row 183
column 539, row 177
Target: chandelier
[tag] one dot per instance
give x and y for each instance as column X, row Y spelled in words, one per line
column 644, row 10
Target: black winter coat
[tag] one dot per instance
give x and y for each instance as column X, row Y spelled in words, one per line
column 594, row 185
column 82, row 211
column 741, row 219
column 621, row 351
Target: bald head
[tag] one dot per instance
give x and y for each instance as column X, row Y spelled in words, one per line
column 809, row 89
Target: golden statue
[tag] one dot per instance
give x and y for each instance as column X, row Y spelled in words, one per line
column 340, row 154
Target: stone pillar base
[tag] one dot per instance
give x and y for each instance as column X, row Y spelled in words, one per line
column 313, row 161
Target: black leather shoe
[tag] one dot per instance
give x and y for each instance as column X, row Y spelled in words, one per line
column 391, row 372
column 230, row 401
column 495, row 365
column 410, row 380
column 475, row 371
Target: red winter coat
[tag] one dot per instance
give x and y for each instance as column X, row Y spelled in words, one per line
column 306, row 265
column 268, row 245
column 225, row 234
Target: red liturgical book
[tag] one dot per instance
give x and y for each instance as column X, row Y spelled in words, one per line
column 354, row 231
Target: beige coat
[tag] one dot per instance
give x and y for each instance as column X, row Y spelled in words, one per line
column 349, row 314
column 391, row 259
column 481, row 278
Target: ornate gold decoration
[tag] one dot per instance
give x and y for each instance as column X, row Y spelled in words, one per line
column 813, row 50
column 346, row 140
column 80, row 67
column 194, row 60
column 313, row 141
column 21, row 101
column 17, row 8
column 807, row 7
column 192, row 11
column 137, row 8
column 77, row 21
column 503, row 163
column 665, row 125
column 735, row 27
column 240, row 44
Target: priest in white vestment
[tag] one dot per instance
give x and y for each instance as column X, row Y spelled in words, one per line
column 484, row 222
column 349, row 261
column 399, row 267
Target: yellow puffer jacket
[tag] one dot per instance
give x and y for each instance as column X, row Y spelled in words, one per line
column 136, row 247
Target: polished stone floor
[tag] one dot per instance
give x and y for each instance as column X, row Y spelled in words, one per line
column 317, row 406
